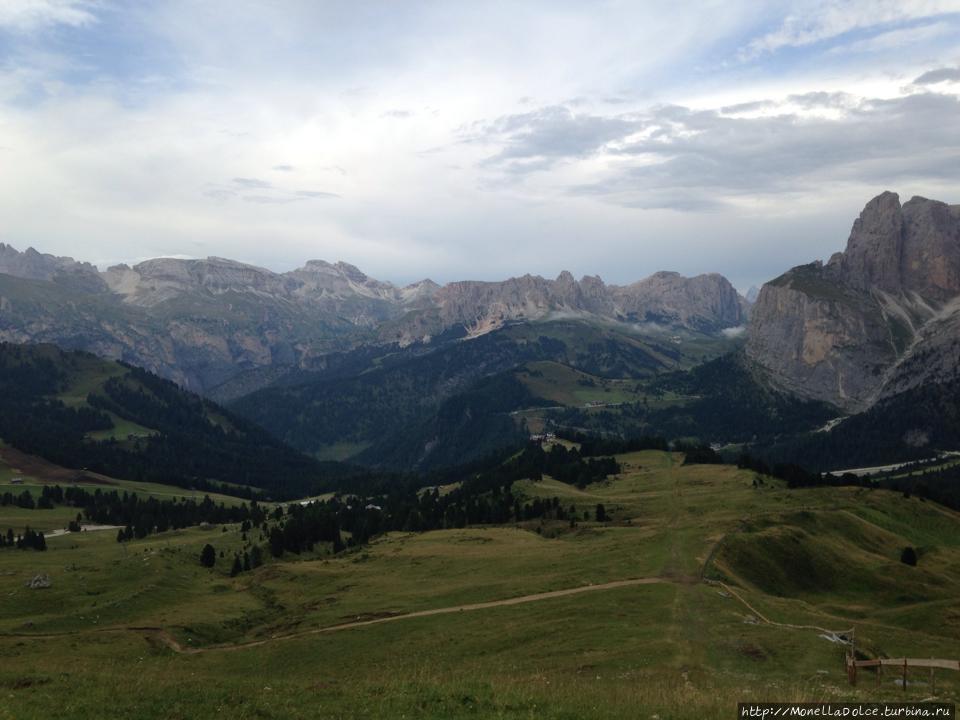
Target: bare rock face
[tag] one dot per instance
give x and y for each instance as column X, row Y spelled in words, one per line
column 706, row 303
column 819, row 340
column 837, row 332
column 930, row 262
column 64, row 271
column 872, row 258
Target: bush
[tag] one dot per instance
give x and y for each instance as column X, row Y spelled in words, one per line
column 909, row 556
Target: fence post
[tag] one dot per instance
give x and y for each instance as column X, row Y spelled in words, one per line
column 904, row 675
column 933, row 681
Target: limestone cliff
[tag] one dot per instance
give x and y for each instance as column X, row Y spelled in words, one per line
column 837, row 331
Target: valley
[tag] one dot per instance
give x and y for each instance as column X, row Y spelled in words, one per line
column 556, row 498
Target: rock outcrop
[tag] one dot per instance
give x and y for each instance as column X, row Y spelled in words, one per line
column 705, row 303
column 838, row 331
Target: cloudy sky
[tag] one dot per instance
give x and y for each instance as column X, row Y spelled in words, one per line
column 459, row 139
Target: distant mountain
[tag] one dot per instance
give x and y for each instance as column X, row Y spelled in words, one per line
column 705, row 303
column 80, row 411
column 207, row 323
column 877, row 319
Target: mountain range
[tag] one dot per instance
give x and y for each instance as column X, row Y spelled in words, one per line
column 202, row 323
column 343, row 366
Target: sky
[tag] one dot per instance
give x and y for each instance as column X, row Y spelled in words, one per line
column 471, row 140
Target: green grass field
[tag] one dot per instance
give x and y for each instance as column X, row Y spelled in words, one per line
column 102, row 640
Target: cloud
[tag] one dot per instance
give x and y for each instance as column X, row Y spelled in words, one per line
column 202, row 128
column 30, row 15
column 252, row 183
column 815, row 22
column 220, row 194
column 748, row 107
column 734, row 332
column 269, row 199
column 702, row 159
column 932, row 77
column 896, row 39
column 537, row 140
column 276, row 197
column 820, row 99
column 316, row 195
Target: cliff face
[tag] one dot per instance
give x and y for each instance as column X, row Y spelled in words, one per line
column 705, row 303
column 202, row 322
column 838, row 332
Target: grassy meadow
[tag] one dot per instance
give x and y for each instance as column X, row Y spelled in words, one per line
column 103, row 640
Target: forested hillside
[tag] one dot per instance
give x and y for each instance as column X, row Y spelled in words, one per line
column 80, row 411
column 421, row 410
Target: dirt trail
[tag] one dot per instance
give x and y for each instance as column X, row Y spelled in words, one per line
column 170, row 642
column 763, row 618
column 164, row 637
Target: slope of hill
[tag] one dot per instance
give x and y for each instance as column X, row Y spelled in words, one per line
column 684, row 602
column 77, row 410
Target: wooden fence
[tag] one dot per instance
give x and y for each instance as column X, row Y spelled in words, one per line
column 902, row 665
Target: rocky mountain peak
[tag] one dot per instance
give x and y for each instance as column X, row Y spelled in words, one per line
column 835, row 332
column 872, row 257
column 33, row 265
column 351, row 271
column 318, row 266
column 914, row 247
column 422, row 290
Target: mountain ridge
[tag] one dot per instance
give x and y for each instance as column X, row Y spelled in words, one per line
column 201, row 322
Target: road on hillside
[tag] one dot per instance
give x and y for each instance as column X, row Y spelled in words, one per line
column 176, row 646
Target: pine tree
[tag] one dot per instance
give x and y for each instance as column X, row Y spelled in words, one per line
column 208, row 556
column 908, row 556
column 237, row 567
column 276, row 542
column 256, row 556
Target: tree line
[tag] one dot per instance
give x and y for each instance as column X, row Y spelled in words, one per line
column 28, row 540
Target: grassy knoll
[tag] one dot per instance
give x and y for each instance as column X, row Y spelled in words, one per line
column 683, row 647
